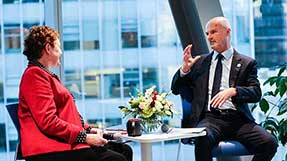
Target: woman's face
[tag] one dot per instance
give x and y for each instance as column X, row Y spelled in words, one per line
column 55, row 54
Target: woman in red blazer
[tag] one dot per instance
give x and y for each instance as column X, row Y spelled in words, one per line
column 51, row 126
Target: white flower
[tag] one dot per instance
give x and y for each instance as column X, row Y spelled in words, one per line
column 158, row 106
column 149, row 91
column 150, row 105
column 166, row 107
column 142, row 105
column 159, row 97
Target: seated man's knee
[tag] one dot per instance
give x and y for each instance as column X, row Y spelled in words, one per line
column 272, row 144
column 268, row 145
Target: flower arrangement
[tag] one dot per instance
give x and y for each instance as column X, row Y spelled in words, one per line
column 150, row 107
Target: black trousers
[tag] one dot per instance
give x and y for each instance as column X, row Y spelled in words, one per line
column 234, row 126
column 111, row 152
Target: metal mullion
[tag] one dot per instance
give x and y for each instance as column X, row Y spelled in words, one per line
column 81, row 38
column 4, row 79
column 139, row 47
column 53, row 18
column 21, row 33
column 159, row 67
column 121, row 58
column 40, row 3
column 159, row 61
column 101, row 62
column 233, row 19
column 120, row 52
column 251, row 29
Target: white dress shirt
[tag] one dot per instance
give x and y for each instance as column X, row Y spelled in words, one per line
column 226, row 67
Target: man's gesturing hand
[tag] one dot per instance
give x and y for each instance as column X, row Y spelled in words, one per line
column 188, row 60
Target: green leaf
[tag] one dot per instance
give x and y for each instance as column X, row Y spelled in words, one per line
column 282, row 135
column 282, row 86
column 276, row 92
column 122, row 107
column 281, row 71
column 253, row 107
column 271, row 80
column 282, row 107
column 271, row 124
column 278, row 81
column 269, row 93
column 264, row 105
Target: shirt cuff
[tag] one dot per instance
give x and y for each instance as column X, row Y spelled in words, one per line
column 88, row 130
column 182, row 73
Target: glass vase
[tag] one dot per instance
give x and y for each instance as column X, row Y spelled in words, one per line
column 150, row 125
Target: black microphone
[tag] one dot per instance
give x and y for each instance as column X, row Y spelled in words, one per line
column 165, row 128
column 112, row 136
column 108, row 136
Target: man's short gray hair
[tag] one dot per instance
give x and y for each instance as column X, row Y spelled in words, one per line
column 220, row 20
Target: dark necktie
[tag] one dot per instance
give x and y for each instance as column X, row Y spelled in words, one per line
column 217, row 76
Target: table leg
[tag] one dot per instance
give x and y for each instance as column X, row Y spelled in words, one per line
column 146, row 151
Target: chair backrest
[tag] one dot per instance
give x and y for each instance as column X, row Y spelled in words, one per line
column 13, row 112
column 186, row 97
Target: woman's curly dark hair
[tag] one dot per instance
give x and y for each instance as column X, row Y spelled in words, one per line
column 36, row 40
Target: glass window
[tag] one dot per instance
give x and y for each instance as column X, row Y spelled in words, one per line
column 150, row 78
column 110, row 29
column 166, row 30
column 10, row 1
column 12, row 38
column 90, row 25
column 91, row 44
column 129, row 38
column 2, row 138
column 148, row 24
column 238, row 14
column 131, row 81
column 32, row 1
column 71, row 37
column 0, row 37
column 90, row 35
column 270, row 33
column 112, row 88
column 242, row 29
column 92, row 83
column 73, row 82
column 129, row 26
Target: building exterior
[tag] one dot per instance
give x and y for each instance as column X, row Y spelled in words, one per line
column 270, row 32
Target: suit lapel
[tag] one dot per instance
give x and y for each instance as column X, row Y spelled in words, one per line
column 235, row 69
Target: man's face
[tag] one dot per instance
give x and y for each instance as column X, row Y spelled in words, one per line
column 218, row 36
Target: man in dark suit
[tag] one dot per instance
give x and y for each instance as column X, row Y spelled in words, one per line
column 222, row 83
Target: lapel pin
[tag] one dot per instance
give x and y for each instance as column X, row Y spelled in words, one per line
column 238, row 65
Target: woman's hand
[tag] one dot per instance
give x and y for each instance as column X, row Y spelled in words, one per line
column 96, row 140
